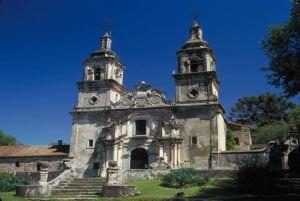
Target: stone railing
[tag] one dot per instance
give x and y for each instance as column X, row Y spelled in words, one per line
column 140, row 174
column 48, row 186
column 44, row 188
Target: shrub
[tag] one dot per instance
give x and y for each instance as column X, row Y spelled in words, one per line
column 183, row 177
column 230, row 142
column 8, row 182
column 253, row 177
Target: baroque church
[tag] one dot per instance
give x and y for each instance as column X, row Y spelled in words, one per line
column 136, row 128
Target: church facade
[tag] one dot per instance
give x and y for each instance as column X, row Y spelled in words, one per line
column 135, row 128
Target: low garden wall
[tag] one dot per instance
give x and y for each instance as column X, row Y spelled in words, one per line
column 234, row 159
column 29, row 190
column 118, row 191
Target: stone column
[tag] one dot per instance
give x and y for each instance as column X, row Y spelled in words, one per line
column 115, row 153
column 178, row 154
column 103, row 155
column 107, row 158
column 103, row 163
column 172, row 155
column 175, row 156
column 161, row 151
column 119, row 156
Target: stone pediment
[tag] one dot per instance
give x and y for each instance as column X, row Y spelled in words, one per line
column 144, row 96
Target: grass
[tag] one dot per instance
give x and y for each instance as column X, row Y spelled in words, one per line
column 216, row 189
column 11, row 196
column 151, row 190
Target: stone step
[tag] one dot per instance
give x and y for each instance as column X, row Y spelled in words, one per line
column 79, row 187
column 64, row 198
column 75, row 190
column 83, row 184
column 97, row 187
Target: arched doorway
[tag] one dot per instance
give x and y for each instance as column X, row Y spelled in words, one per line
column 139, row 159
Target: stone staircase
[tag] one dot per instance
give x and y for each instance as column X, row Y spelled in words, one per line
column 79, row 188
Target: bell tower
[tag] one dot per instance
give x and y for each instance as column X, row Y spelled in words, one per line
column 196, row 79
column 102, row 77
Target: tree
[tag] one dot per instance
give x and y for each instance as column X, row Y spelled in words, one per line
column 260, row 110
column 6, row 139
column 294, row 118
column 266, row 133
column 230, row 142
column 282, row 46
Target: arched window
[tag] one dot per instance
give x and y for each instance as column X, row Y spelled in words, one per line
column 196, row 66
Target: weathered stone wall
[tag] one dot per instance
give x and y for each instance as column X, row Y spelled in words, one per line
column 35, row 176
column 29, row 164
column 242, row 135
column 233, row 159
column 29, row 191
column 118, row 191
column 217, row 173
column 139, row 174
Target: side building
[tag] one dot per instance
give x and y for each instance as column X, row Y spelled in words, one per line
column 137, row 127
column 27, row 161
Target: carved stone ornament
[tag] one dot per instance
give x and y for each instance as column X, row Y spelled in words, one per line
column 142, row 97
column 193, row 93
column 93, row 100
column 118, row 72
column 112, row 164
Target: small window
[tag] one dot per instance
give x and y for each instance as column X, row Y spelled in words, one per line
column 140, row 127
column 96, row 165
column 194, row 66
column 97, row 74
column 38, row 166
column 194, row 140
column 237, row 141
column 90, row 144
column 17, row 163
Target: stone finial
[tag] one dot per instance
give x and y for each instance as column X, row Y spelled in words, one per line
column 112, row 164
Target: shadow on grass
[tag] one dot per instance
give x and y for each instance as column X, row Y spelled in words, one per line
column 225, row 189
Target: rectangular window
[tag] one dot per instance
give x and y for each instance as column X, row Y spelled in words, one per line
column 237, row 141
column 97, row 74
column 96, row 166
column 17, row 163
column 90, row 144
column 194, row 140
column 140, row 127
column 38, row 166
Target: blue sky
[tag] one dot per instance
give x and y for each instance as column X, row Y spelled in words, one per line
column 43, row 44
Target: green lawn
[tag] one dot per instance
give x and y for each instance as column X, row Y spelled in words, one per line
column 151, row 190
column 217, row 189
column 10, row 196
column 148, row 190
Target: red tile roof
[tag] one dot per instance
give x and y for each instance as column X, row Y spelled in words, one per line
column 33, row 151
column 237, row 124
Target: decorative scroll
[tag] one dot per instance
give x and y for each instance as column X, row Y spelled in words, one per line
column 143, row 96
